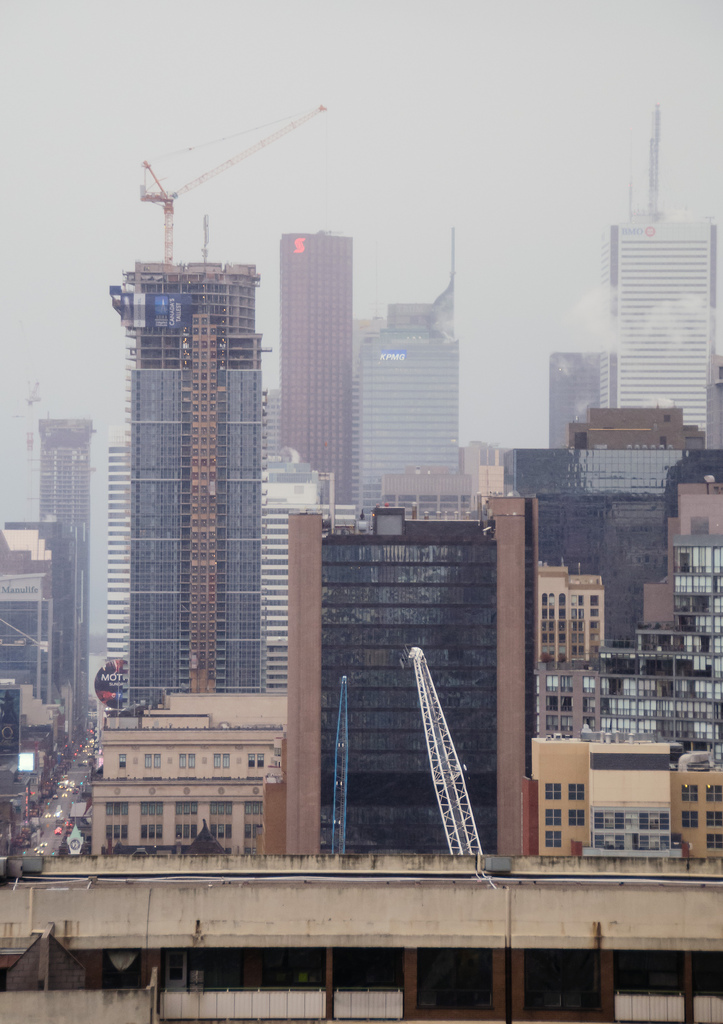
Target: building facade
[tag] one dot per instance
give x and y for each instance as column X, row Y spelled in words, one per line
column 605, row 513
column 292, row 488
column 119, row 543
column 169, row 770
column 574, row 388
column 634, row 429
column 65, row 497
column 634, row 798
column 126, row 940
column 661, row 277
column 571, row 614
column 408, row 394
column 464, row 593
column 316, row 353
column 196, row 464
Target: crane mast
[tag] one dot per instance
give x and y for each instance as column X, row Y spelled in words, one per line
column 166, row 199
column 447, row 776
column 341, row 765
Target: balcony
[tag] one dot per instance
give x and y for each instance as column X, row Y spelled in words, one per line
column 244, row 1004
column 368, row 1004
column 650, row 1006
column 708, row 1009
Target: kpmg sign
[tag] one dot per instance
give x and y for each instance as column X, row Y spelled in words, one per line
column 393, row 357
column 21, row 588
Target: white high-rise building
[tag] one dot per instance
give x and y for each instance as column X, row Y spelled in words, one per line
column 661, row 276
column 119, row 542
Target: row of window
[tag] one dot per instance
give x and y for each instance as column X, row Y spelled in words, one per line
column 553, row 816
column 713, row 819
column 713, row 793
column 575, row 791
column 189, row 760
column 155, row 808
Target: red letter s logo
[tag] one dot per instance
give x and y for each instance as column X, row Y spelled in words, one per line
column 299, row 244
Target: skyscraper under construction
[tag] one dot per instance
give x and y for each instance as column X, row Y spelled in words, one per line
column 195, row 401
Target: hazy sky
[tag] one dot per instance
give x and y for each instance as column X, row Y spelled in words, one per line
column 511, row 121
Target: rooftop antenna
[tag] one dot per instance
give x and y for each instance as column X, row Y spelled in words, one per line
column 653, row 182
column 204, row 251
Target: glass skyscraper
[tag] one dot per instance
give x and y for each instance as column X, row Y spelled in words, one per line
column 196, row 427
column 408, row 394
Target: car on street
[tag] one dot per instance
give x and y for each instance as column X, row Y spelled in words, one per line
column 59, row 830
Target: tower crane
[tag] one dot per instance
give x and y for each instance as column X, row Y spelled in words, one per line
column 160, row 196
column 447, row 776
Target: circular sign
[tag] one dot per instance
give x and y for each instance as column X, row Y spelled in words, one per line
column 110, row 682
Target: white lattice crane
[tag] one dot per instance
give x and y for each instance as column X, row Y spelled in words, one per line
column 447, row 775
column 166, row 199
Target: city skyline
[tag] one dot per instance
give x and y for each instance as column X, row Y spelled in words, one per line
column 529, row 186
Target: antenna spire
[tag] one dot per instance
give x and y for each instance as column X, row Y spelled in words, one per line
column 653, row 181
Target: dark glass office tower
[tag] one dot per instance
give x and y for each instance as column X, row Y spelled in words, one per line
column 316, row 353
column 196, row 429
column 464, row 593
column 605, row 512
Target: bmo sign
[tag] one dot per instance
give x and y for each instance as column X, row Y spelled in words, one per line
column 393, row 357
column 630, row 232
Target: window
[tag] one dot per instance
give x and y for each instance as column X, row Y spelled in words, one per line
column 689, row 794
column 216, row 760
column 690, row 819
column 252, row 760
column 191, row 760
column 121, row 760
column 553, row 816
column 149, row 760
column 588, row 684
column 226, row 760
column 553, row 839
column 551, row 703
column 576, row 791
column 562, row 977
column 566, row 684
column 260, row 760
column 714, row 794
column 122, row 968
column 714, row 819
column 181, row 760
column 565, row 723
column 707, row 973
column 293, row 968
column 553, row 791
column 253, row 807
column 648, row 971
column 551, row 723
column 575, row 817
column 156, row 760
column 454, row 977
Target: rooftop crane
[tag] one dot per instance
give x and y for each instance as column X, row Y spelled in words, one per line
column 166, row 199
column 341, row 766
column 447, row 776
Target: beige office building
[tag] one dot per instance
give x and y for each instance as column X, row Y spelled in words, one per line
column 588, row 798
column 195, row 759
